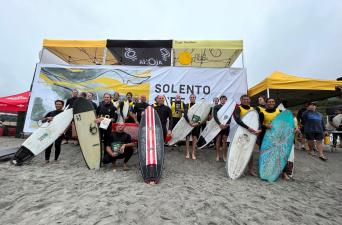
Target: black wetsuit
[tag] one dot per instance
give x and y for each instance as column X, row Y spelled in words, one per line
column 94, row 105
column 196, row 130
column 70, row 102
column 108, row 111
column 223, row 131
column 139, row 108
column 164, row 113
column 237, row 116
column 58, row 141
column 116, row 140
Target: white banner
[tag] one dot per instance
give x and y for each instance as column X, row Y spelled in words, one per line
column 52, row 82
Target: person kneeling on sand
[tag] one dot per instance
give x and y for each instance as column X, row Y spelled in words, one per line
column 118, row 146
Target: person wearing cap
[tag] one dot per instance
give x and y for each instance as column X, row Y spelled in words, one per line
column 314, row 129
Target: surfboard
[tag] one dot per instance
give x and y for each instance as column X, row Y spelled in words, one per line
column 212, row 128
column 281, row 107
column 241, row 148
column 88, row 132
column 276, row 146
column 290, row 161
column 6, row 152
column 43, row 137
column 124, row 111
column 337, row 120
column 198, row 112
column 151, row 146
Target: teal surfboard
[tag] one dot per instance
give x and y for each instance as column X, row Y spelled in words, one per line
column 276, row 146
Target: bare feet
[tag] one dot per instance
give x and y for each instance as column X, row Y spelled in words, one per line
column 125, row 167
column 193, row 157
column 217, row 158
column 251, row 173
column 187, row 156
column 46, row 161
column 285, row 176
column 152, row 183
column 224, row 159
column 323, row 158
column 312, row 153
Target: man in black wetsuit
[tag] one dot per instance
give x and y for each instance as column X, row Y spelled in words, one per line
column 48, row 118
column 221, row 138
column 69, row 103
column 239, row 112
column 164, row 113
column 301, row 127
column 89, row 97
column 106, row 109
column 118, row 146
column 139, row 108
column 195, row 131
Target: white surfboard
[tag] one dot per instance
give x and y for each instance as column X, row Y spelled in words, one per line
column 200, row 110
column 44, row 136
column 281, row 107
column 124, row 111
column 212, row 128
column 241, row 148
column 337, row 120
column 291, row 161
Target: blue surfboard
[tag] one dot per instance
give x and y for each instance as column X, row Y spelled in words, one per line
column 276, row 146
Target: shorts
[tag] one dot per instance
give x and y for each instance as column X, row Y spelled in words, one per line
column 195, row 132
column 318, row 136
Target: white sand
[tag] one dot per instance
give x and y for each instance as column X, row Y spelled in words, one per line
column 190, row 192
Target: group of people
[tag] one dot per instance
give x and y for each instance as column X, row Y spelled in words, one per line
column 119, row 144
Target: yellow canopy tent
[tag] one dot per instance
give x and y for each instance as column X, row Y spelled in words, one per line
column 206, row 53
column 80, row 51
column 295, row 90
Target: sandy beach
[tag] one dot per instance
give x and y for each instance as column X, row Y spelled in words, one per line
column 190, row 192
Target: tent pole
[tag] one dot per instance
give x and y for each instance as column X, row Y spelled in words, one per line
column 268, row 92
column 41, row 56
column 104, row 56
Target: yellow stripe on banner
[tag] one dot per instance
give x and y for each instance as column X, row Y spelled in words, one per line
column 101, row 84
column 219, row 44
column 75, row 43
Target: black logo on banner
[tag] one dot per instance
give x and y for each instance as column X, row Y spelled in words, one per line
column 142, row 56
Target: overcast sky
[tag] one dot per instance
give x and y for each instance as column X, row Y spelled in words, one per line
column 302, row 38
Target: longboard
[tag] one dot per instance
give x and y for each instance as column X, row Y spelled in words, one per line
column 6, row 152
column 88, row 132
column 151, row 146
column 241, row 148
column 199, row 111
column 212, row 128
column 43, row 137
column 276, row 146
